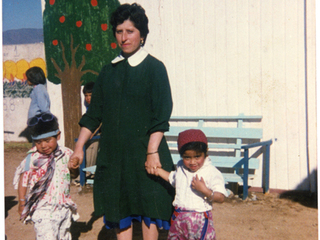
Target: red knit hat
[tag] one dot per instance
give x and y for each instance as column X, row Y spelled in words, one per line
column 191, row 135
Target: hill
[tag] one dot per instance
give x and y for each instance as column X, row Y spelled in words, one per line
column 22, row 36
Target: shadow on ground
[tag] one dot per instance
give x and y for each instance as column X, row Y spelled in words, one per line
column 82, row 227
column 108, row 234
column 9, row 203
column 305, row 198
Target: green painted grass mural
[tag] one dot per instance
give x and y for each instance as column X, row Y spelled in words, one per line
column 16, row 89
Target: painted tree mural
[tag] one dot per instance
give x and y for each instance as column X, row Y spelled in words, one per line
column 78, row 42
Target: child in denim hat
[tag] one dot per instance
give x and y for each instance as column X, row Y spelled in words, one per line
column 198, row 184
column 45, row 171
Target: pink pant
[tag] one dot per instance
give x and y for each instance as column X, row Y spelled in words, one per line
column 192, row 225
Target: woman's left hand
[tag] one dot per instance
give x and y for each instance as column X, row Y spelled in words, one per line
column 153, row 159
column 152, row 163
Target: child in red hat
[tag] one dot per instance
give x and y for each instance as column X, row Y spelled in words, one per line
column 198, row 184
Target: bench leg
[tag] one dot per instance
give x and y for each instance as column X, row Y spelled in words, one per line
column 245, row 174
column 266, row 170
column 82, row 166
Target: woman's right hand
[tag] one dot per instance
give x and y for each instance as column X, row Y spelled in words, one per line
column 77, row 156
column 76, row 159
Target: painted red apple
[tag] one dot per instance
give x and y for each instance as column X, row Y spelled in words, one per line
column 113, row 45
column 62, row 19
column 88, row 46
column 94, row 3
column 79, row 23
column 55, row 42
column 104, row 26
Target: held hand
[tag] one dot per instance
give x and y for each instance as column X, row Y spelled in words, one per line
column 75, row 160
column 152, row 163
column 156, row 171
column 74, row 167
column 74, row 163
column 199, row 184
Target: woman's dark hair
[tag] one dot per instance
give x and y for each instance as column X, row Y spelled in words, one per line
column 36, row 76
column 44, row 126
column 198, row 147
column 135, row 13
column 88, row 87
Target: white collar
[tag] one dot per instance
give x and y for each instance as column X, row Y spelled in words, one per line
column 133, row 60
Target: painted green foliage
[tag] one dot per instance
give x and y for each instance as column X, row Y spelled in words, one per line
column 87, row 21
column 78, row 42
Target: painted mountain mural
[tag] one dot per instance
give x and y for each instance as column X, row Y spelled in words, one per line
column 22, row 36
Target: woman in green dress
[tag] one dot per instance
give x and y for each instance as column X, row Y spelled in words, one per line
column 132, row 100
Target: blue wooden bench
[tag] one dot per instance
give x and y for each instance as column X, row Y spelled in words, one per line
column 228, row 146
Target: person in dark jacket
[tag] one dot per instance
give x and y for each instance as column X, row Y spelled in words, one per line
column 132, row 99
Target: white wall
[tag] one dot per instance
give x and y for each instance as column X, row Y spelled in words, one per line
column 226, row 57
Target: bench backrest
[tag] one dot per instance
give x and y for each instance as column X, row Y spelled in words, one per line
column 224, row 142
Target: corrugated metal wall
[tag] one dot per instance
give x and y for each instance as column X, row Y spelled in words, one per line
column 226, row 57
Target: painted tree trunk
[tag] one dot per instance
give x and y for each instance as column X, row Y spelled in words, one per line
column 71, row 101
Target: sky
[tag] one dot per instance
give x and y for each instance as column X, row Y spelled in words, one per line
column 17, row 14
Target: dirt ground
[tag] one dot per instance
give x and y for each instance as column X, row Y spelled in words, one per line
column 290, row 215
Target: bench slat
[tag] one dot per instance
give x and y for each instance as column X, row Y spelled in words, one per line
column 211, row 132
column 225, row 161
column 231, row 177
column 91, row 169
column 90, row 181
column 214, row 118
column 211, row 145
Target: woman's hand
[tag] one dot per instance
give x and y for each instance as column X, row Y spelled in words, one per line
column 75, row 159
column 77, row 156
column 153, row 159
column 152, row 163
column 74, row 164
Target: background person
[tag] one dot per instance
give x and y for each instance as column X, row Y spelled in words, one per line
column 92, row 146
column 40, row 101
column 87, row 92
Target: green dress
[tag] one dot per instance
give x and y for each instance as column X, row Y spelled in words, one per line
column 131, row 102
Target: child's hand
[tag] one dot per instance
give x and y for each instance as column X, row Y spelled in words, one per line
column 21, row 207
column 156, row 171
column 199, row 184
column 162, row 173
column 73, row 166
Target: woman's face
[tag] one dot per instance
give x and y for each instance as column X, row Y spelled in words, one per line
column 128, row 38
